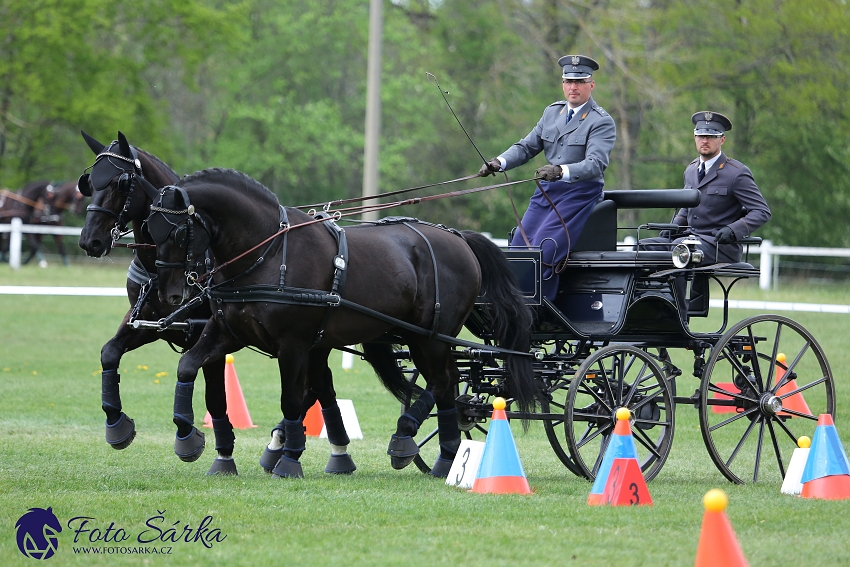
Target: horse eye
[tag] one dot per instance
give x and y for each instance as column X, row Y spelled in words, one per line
column 181, row 236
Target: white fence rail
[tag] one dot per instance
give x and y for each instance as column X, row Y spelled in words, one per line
column 767, row 252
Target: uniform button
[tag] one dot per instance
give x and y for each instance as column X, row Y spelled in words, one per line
column 559, row 157
column 562, row 143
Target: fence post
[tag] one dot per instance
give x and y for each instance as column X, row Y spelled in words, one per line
column 15, row 244
column 765, row 264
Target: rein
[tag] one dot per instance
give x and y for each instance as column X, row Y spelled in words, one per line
column 15, row 197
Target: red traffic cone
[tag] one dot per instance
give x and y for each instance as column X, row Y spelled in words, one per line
column 827, row 472
column 626, row 485
column 500, row 470
column 794, row 402
column 313, row 420
column 620, row 446
column 237, row 410
column 718, row 544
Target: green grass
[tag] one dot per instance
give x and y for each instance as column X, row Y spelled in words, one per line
column 53, row 454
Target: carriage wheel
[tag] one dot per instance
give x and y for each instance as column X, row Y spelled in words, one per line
column 428, row 438
column 612, row 377
column 764, row 385
column 555, row 400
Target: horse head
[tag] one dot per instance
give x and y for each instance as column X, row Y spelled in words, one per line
column 182, row 238
column 112, row 185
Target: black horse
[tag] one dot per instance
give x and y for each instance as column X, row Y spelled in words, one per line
column 58, row 200
column 118, row 200
column 24, row 204
column 296, row 287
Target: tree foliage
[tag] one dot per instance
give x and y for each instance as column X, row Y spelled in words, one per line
column 278, row 90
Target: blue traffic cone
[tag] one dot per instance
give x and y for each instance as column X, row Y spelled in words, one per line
column 827, row 472
column 500, row 470
column 620, row 446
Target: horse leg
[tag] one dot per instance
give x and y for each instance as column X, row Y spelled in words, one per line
column 321, row 385
column 216, row 401
column 292, row 387
column 435, row 362
column 189, row 442
column 273, row 451
column 120, row 429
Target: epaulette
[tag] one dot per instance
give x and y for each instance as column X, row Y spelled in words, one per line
column 600, row 110
column 732, row 162
column 694, row 162
column 558, row 102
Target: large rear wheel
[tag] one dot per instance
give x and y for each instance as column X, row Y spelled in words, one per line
column 763, row 387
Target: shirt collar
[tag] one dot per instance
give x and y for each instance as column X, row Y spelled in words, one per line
column 709, row 163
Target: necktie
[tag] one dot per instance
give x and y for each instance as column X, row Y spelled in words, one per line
column 701, row 172
column 570, row 115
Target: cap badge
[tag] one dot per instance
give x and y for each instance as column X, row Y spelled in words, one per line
column 708, row 116
column 575, row 59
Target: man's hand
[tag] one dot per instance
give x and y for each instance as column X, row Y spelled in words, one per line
column 490, row 168
column 549, row 173
column 725, row 236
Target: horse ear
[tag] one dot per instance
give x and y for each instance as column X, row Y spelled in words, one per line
column 124, row 145
column 95, row 146
column 149, row 189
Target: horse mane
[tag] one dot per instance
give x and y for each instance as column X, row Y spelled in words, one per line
column 244, row 183
column 156, row 160
column 34, row 188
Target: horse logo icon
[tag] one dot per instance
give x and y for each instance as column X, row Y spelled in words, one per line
column 37, row 533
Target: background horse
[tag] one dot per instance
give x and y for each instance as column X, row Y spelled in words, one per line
column 23, row 205
column 117, row 200
column 304, row 291
column 58, row 200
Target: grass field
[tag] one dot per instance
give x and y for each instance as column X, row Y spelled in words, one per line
column 54, row 455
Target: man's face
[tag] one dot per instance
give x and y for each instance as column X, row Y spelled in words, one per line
column 709, row 146
column 577, row 91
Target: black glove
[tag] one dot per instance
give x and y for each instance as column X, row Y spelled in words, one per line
column 490, row 168
column 725, row 236
column 549, row 173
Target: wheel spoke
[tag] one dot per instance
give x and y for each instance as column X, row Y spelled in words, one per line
column 606, row 381
column 758, row 452
column 638, row 381
column 648, row 398
column 427, row 438
column 801, row 388
column 740, row 443
column 776, row 450
column 756, row 365
column 644, row 440
column 600, row 456
column 772, row 369
column 736, row 395
column 800, row 414
column 788, row 431
column 585, row 440
column 797, row 359
column 589, row 391
column 735, row 417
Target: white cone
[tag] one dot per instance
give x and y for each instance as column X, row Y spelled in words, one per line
column 792, row 484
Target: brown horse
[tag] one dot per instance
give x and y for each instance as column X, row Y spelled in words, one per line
column 24, row 204
column 311, row 287
column 58, row 200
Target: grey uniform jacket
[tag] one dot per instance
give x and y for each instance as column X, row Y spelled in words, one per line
column 584, row 144
column 728, row 197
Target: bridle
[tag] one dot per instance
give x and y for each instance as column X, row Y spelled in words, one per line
column 125, row 179
column 166, row 219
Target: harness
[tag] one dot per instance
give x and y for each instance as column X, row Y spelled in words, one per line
column 126, row 182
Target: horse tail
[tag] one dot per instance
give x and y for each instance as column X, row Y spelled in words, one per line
column 511, row 317
column 383, row 360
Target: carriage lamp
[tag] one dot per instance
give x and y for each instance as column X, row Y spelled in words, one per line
column 686, row 252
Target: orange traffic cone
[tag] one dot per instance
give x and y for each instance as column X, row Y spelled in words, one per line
column 718, row 544
column 500, row 470
column 237, row 410
column 827, row 472
column 794, row 402
column 620, row 446
column 313, row 420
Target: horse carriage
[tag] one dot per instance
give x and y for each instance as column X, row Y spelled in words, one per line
column 605, row 341
column 295, row 286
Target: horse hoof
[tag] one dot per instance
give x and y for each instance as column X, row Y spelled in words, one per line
column 191, row 447
column 287, row 468
column 269, row 458
column 223, row 467
column 441, row 468
column 121, row 433
column 402, row 451
column 340, row 464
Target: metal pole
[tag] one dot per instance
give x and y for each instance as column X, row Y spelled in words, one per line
column 373, row 105
column 765, row 262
